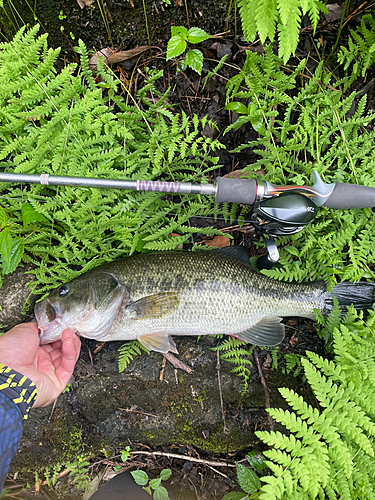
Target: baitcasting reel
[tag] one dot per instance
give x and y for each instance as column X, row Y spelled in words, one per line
column 282, row 215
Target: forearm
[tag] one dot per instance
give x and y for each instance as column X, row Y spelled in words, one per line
column 17, row 395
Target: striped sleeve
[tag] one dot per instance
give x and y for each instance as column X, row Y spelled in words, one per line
column 17, row 395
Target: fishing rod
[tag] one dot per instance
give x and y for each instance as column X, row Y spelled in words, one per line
column 274, row 210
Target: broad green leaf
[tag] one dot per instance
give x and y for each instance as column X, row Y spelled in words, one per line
column 175, row 47
column 235, row 495
column 237, row 107
column 15, row 256
column 247, row 479
column 155, row 483
column 5, row 244
column 196, row 35
column 194, row 59
column 182, row 65
column 256, row 460
column 29, row 214
column 3, row 218
column 292, row 250
column 258, row 125
column 165, row 474
column 140, row 477
column 179, row 31
column 161, row 493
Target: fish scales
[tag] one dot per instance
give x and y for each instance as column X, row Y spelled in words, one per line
column 152, row 296
column 217, row 294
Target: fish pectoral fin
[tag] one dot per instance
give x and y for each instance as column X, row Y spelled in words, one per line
column 154, row 306
column 268, row 331
column 160, row 342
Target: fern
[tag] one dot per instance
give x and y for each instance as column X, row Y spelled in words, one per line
column 237, row 352
column 329, row 452
column 65, row 124
column 282, row 15
column 128, row 351
column 360, row 51
column 304, row 129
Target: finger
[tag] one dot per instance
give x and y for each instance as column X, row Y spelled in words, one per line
column 31, row 325
column 70, row 351
column 55, row 356
column 56, row 345
column 48, row 347
column 30, row 329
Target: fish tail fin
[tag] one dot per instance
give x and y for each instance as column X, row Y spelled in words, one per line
column 359, row 295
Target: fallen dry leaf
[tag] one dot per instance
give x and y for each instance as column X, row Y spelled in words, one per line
column 293, row 339
column 237, row 174
column 93, row 62
column 219, row 242
column 85, row 3
column 334, row 12
column 126, row 55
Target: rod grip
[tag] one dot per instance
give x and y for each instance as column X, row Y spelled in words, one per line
column 351, row 196
column 236, row 190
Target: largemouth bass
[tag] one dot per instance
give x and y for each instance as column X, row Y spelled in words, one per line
column 150, row 297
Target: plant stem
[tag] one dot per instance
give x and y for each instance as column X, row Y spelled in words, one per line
column 338, row 34
column 148, row 33
column 187, row 14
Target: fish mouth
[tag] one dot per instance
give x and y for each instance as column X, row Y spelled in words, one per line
column 50, row 311
column 49, row 322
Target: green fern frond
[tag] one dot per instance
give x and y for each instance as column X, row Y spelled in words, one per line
column 237, row 352
column 282, row 15
column 328, row 452
column 336, row 246
column 60, row 123
column 128, row 351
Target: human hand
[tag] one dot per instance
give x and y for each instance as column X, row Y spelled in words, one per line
column 49, row 366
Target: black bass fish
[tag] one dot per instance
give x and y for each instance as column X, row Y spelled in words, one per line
column 150, row 297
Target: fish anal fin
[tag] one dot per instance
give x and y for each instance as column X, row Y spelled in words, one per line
column 154, row 306
column 160, row 342
column 269, row 331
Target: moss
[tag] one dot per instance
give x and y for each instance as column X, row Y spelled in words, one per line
column 73, row 445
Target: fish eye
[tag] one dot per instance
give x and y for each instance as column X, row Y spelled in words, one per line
column 63, row 290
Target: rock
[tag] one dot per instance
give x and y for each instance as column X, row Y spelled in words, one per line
column 107, row 408
column 16, row 301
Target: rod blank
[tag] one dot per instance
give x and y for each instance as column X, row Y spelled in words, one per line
column 90, row 182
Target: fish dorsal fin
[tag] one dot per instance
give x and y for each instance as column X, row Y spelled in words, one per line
column 237, row 252
column 160, row 342
column 268, row 331
column 154, row 306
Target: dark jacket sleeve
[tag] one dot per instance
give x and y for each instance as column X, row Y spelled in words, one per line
column 17, row 395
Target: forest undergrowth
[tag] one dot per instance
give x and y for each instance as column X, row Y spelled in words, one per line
column 289, row 112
